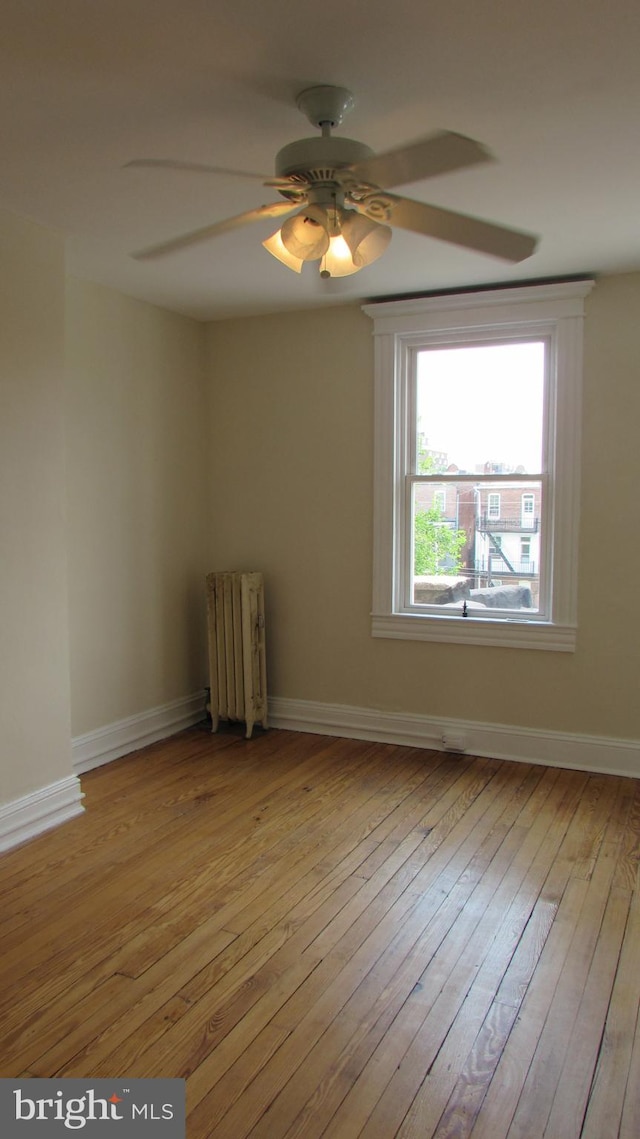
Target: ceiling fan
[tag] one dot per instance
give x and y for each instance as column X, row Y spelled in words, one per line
column 339, row 190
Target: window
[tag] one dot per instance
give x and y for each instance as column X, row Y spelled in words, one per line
column 478, row 398
column 528, row 509
column 493, row 506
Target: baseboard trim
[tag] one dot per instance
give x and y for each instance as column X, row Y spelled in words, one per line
column 93, row 749
column 499, row 741
column 39, row 811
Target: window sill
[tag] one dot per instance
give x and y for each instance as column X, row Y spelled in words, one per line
column 503, row 633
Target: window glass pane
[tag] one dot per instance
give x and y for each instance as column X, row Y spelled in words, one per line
column 480, row 409
column 464, row 553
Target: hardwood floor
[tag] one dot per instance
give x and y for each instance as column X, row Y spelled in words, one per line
column 335, row 938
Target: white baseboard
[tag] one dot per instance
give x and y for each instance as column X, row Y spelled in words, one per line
column 114, row 740
column 49, row 806
column 499, row 741
column 32, row 814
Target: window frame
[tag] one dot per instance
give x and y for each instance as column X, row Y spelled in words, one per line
column 554, row 312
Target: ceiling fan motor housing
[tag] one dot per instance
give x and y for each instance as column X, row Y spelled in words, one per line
column 318, row 158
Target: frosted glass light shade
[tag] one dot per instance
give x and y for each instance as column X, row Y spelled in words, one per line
column 344, row 241
column 274, row 246
column 367, row 239
column 337, row 261
column 306, row 235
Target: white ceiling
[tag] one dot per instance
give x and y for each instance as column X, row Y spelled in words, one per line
column 552, row 87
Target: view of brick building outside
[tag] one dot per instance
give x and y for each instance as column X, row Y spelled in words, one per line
column 501, row 522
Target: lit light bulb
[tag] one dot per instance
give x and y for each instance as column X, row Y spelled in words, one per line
column 337, row 261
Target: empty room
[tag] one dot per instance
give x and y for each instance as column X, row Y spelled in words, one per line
column 320, row 727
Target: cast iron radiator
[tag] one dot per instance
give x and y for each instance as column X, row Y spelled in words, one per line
column 237, row 664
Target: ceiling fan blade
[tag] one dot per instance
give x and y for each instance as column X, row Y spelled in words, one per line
column 193, row 167
column 459, row 229
column 276, row 209
column 436, row 154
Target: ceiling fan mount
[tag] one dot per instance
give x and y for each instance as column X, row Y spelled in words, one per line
column 343, row 189
column 325, row 105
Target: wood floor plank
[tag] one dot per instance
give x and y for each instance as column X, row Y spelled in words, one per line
column 114, row 1008
column 332, row 939
column 206, row 980
column 540, row 1086
column 533, row 994
column 364, row 1091
column 60, row 931
column 569, row 1105
column 429, row 1103
column 122, row 964
column 630, row 1122
column 315, row 1026
column 191, row 775
column 608, row 1091
column 525, row 926
column 629, row 860
column 350, row 1041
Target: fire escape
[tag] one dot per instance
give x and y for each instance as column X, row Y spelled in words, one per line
column 493, row 529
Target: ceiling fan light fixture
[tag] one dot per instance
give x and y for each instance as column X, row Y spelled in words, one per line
column 337, row 261
column 306, row 235
column 275, row 246
column 367, row 239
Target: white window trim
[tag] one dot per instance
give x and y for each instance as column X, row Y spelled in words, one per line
column 555, row 311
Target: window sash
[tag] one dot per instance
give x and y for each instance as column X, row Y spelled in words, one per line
column 408, row 461
column 542, row 611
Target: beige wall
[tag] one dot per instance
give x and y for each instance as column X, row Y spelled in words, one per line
column 138, row 521
column 35, row 746
column 258, row 455
column 291, row 468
